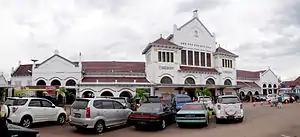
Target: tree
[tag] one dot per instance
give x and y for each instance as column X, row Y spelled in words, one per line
column 141, row 93
column 205, row 92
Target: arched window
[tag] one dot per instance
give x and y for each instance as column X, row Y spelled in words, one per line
column 274, row 86
column 107, row 93
column 210, row 81
column 264, row 85
column 166, row 80
column 126, row 94
column 71, row 82
column 88, row 94
column 189, row 81
column 55, row 83
column 227, row 82
column 41, row 82
column 270, row 86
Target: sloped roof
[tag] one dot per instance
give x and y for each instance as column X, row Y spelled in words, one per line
column 186, row 68
column 291, row 84
column 119, row 79
column 247, row 84
column 23, row 70
column 160, row 41
column 196, row 18
column 248, row 74
column 220, row 50
column 113, row 66
column 57, row 55
column 3, row 82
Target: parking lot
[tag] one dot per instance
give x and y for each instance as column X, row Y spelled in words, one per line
column 260, row 121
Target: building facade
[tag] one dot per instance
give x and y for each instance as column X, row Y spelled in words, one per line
column 257, row 82
column 184, row 61
column 291, row 86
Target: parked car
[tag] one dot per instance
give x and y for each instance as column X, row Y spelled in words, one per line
column 193, row 113
column 229, row 107
column 207, row 101
column 26, row 111
column 124, row 101
column 152, row 114
column 98, row 113
column 260, row 97
column 271, row 97
column 180, row 100
column 18, row 131
column 7, row 129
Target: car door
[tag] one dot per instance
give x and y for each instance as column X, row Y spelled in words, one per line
column 121, row 113
column 50, row 112
column 109, row 112
column 35, row 110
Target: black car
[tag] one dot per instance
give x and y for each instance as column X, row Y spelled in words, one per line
column 152, row 115
column 18, row 131
column 15, row 131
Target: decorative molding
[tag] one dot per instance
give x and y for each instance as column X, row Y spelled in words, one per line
column 166, row 74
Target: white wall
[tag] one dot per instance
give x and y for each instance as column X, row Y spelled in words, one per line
column 25, row 81
column 56, row 68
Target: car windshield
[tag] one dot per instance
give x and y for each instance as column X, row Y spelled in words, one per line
column 154, row 100
column 15, row 102
column 80, row 104
column 229, row 100
column 193, row 107
column 122, row 100
column 150, row 107
column 183, row 99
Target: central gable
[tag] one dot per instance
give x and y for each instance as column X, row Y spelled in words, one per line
column 56, row 63
column 194, row 34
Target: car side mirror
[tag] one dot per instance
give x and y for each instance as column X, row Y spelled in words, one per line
column 53, row 106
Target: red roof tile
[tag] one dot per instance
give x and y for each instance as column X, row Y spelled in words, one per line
column 224, row 51
column 23, row 70
column 163, row 42
column 112, row 79
column 113, row 66
column 248, row 74
column 247, row 84
column 186, row 68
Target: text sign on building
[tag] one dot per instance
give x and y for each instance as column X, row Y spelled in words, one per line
column 166, row 68
column 227, row 72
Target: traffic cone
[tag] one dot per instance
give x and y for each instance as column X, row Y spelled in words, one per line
column 286, row 102
column 261, row 103
column 270, row 102
column 254, row 105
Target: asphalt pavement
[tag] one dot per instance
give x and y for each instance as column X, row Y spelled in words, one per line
column 260, row 121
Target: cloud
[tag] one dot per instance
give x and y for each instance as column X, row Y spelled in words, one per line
column 263, row 33
column 201, row 5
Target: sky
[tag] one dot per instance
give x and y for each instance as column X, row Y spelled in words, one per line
column 264, row 33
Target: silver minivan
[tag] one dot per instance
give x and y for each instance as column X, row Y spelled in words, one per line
column 98, row 113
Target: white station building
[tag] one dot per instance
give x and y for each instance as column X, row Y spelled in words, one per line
column 185, row 60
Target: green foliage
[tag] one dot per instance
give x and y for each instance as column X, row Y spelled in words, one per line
column 141, row 93
column 205, row 92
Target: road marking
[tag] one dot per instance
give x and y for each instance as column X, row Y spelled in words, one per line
column 285, row 136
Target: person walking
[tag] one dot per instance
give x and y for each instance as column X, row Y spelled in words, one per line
column 279, row 102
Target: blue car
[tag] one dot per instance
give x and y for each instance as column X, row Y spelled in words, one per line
column 180, row 100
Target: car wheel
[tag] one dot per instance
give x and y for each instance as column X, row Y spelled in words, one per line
column 99, row 127
column 26, row 122
column 241, row 120
column 163, row 124
column 61, row 119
